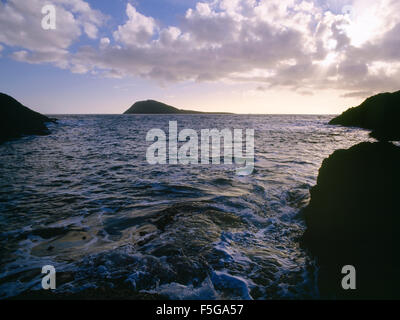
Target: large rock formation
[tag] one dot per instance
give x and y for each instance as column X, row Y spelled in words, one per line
column 17, row 120
column 353, row 218
column 155, row 107
column 380, row 113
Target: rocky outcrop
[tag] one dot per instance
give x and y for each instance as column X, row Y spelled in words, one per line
column 155, row 107
column 353, row 218
column 17, row 120
column 380, row 113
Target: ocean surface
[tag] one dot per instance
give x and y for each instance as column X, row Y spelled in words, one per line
column 85, row 200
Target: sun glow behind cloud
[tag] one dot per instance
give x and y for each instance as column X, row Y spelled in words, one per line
column 368, row 21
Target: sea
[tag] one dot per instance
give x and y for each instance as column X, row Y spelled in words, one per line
column 85, row 200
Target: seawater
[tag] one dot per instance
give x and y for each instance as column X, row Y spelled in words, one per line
column 85, row 200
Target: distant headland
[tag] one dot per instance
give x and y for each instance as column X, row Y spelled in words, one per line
column 156, row 107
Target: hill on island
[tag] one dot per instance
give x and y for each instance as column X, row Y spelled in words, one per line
column 379, row 113
column 155, row 107
column 17, row 120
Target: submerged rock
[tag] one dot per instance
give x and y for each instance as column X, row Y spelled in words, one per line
column 380, row 113
column 353, row 218
column 17, row 120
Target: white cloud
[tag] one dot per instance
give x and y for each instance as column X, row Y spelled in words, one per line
column 20, row 24
column 59, row 58
column 90, row 29
column 104, row 43
column 303, row 45
column 137, row 30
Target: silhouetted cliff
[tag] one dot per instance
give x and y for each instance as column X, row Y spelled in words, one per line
column 380, row 113
column 353, row 218
column 17, row 120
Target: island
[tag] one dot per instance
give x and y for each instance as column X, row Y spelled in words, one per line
column 17, row 120
column 156, row 107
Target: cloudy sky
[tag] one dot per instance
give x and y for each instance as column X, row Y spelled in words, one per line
column 244, row 56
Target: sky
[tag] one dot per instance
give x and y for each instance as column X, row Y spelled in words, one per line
column 241, row 56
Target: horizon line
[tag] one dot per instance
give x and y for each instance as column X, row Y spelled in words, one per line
column 194, row 114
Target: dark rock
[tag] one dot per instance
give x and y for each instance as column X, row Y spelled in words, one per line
column 118, row 292
column 17, row 120
column 353, row 218
column 380, row 113
column 48, row 233
column 155, row 107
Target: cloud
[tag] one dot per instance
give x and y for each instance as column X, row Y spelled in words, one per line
column 202, row 20
column 59, row 58
column 20, row 24
column 104, row 43
column 306, row 93
column 138, row 30
column 300, row 45
column 359, row 94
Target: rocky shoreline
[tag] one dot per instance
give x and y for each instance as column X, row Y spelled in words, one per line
column 354, row 212
column 379, row 113
column 353, row 219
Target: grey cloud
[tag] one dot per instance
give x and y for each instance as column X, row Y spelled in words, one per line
column 240, row 45
column 20, row 24
column 357, row 94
